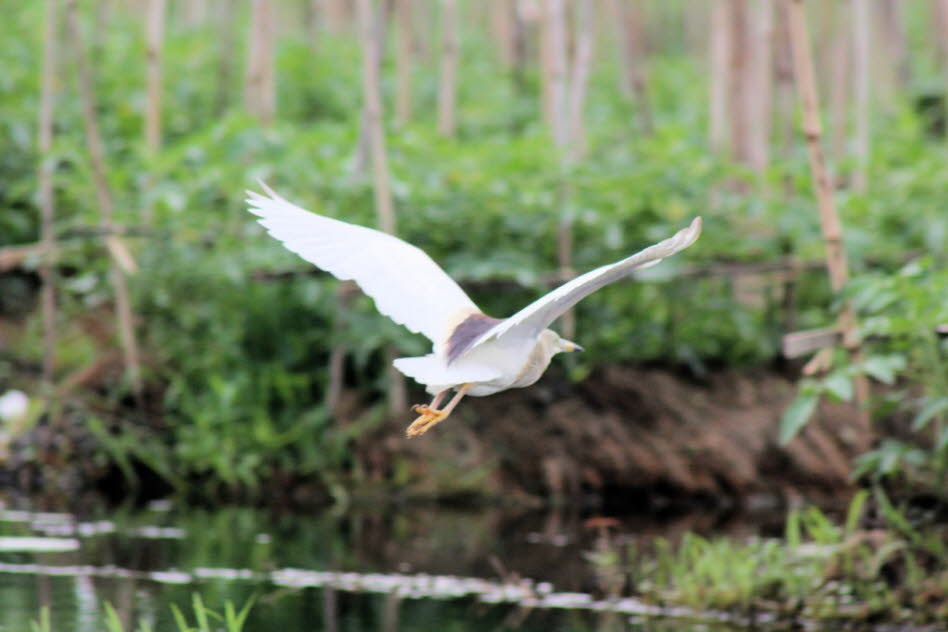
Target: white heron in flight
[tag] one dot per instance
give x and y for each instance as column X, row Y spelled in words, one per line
column 473, row 354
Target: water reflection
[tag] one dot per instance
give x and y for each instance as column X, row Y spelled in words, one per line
column 140, row 561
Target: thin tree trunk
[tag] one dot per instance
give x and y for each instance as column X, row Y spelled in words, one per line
column 829, row 219
column 47, row 200
column 738, row 85
column 447, row 92
column 519, row 50
column 120, row 256
column 760, row 86
column 783, row 68
column 338, row 17
column 154, row 41
column 840, row 71
column 546, row 62
column 260, row 83
column 720, row 75
column 582, row 61
column 154, row 38
column 502, row 26
column 560, row 111
column 861, row 97
column 893, row 24
column 196, row 13
column 403, row 62
column 557, row 72
column 616, row 15
column 224, row 15
column 892, row 71
column 941, row 22
column 637, row 52
column 397, row 398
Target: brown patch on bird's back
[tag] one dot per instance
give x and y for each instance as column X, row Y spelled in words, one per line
column 466, row 332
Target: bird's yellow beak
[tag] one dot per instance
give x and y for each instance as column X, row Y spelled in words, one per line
column 569, row 347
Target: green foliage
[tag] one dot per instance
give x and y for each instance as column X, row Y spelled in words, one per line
column 899, row 317
column 820, row 569
column 205, row 619
column 236, row 335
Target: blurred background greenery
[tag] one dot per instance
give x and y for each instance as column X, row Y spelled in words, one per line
column 236, row 334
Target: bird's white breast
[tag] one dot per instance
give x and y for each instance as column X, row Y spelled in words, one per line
column 519, row 365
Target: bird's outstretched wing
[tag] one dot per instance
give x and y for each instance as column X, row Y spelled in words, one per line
column 406, row 284
column 537, row 316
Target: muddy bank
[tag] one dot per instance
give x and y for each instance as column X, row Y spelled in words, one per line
column 634, row 435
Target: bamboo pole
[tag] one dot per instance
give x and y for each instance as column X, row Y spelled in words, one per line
column 121, row 259
column 447, row 91
column 47, row 200
column 403, row 62
column 384, row 206
column 829, row 219
column 861, row 96
column 260, row 90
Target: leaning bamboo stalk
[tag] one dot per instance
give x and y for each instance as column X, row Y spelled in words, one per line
column 47, row 201
column 829, row 219
column 121, row 259
column 861, row 98
column 384, row 206
column 448, row 88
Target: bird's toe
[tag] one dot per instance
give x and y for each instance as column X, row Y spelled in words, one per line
column 429, row 417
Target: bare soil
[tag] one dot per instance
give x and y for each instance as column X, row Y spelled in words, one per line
column 636, row 433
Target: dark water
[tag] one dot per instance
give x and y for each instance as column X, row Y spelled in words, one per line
column 406, row 569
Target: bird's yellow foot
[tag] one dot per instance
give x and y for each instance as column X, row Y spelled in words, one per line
column 429, row 417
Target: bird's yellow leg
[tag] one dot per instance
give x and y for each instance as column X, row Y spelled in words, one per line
column 430, row 416
column 432, row 407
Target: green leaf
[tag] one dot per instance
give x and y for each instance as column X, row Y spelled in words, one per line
column 856, row 507
column 112, row 621
column 796, row 416
column 931, row 409
column 840, row 386
column 884, row 368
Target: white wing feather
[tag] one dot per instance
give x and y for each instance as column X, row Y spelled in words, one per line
column 537, row 316
column 406, row 284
